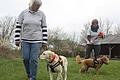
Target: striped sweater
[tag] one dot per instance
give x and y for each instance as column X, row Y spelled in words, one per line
column 31, row 27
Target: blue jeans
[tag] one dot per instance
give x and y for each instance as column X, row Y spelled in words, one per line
column 30, row 52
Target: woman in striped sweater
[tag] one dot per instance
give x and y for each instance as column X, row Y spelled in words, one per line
column 31, row 31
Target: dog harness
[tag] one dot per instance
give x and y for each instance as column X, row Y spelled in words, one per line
column 95, row 62
column 101, row 62
column 52, row 67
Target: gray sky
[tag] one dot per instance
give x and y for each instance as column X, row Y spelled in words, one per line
column 71, row 15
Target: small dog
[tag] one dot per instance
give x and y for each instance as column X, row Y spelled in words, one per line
column 89, row 63
column 56, row 64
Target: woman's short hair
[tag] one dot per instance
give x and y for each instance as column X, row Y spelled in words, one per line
column 35, row 1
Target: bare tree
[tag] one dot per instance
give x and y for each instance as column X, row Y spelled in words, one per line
column 56, row 37
column 105, row 25
column 72, row 42
column 7, row 25
column 117, row 29
column 108, row 26
column 62, row 42
column 83, row 35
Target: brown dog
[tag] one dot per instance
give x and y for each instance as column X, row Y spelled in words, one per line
column 89, row 63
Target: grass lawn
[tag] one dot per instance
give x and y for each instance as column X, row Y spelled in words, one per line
column 14, row 70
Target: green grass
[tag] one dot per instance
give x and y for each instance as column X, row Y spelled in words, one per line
column 14, row 70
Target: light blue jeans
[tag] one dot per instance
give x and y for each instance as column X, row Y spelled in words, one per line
column 30, row 52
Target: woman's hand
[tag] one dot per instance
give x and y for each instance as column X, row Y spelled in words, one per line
column 17, row 43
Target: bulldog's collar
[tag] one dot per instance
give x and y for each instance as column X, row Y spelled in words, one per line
column 53, row 58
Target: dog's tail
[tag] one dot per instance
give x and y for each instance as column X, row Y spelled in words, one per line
column 78, row 59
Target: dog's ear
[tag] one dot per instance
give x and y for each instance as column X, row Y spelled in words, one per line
column 51, row 55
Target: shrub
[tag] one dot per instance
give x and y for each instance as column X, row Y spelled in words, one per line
column 6, row 50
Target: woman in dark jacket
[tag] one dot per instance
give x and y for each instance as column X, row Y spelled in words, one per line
column 94, row 35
